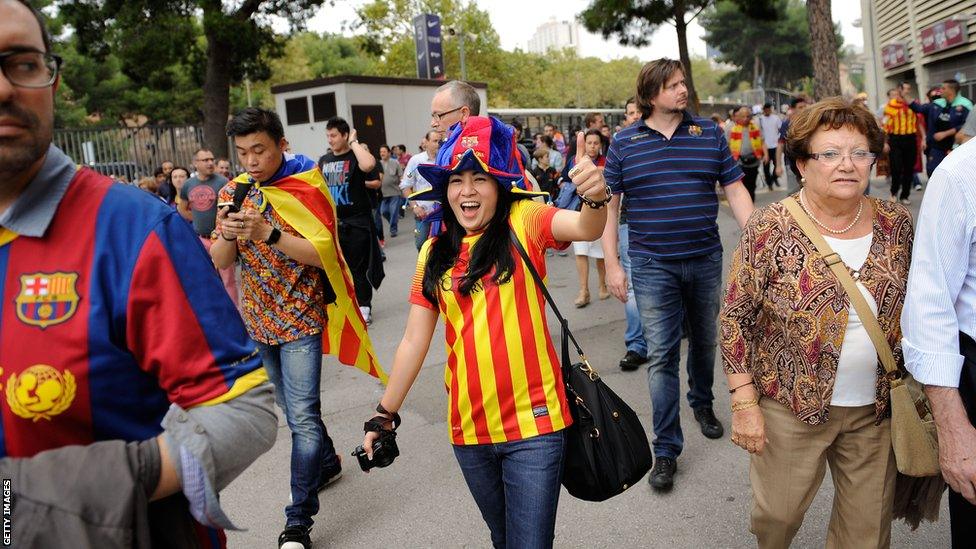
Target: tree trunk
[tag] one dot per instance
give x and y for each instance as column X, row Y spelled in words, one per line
column 681, row 26
column 823, row 49
column 216, row 95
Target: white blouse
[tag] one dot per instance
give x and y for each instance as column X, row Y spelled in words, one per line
column 857, row 367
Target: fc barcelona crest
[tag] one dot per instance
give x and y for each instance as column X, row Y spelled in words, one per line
column 46, row 299
column 469, row 141
column 695, row 131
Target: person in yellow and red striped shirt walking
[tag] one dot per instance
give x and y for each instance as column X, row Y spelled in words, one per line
column 900, row 125
column 507, row 405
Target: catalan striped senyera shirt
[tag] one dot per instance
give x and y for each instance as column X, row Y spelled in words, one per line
column 503, row 376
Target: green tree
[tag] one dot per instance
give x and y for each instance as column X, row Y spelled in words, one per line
column 775, row 51
column 709, row 80
column 515, row 79
column 222, row 44
column 634, row 21
column 306, row 56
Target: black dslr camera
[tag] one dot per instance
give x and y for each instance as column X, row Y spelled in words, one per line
column 385, row 447
column 385, row 450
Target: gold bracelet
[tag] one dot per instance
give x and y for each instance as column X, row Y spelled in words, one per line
column 744, row 404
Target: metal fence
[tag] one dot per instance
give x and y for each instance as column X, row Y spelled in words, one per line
column 131, row 153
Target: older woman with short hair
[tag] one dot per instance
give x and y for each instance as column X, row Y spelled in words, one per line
column 807, row 388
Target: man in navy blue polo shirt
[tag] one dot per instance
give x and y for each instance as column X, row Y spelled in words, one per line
column 666, row 169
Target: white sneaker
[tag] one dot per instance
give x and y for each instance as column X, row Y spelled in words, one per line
column 366, row 315
column 906, row 201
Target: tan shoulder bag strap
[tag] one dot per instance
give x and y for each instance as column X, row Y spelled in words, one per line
column 836, row 265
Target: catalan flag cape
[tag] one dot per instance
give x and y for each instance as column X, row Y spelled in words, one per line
column 299, row 194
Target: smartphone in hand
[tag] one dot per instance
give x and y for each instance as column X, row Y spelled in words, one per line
column 232, row 208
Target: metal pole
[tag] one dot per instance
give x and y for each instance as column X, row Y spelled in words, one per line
column 464, row 71
column 247, row 89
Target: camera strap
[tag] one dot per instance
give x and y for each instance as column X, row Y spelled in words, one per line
column 376, row 423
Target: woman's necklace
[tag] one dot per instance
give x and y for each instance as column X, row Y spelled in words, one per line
column 860, row 208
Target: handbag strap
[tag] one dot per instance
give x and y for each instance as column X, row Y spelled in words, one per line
column 567, row 336
column 836, row 264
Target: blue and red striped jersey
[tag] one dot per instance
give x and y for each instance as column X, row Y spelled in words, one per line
column 110, row 316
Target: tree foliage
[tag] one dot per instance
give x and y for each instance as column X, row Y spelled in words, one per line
column 515, row 78
column 103, row 82
column 775, row 52
column 161, row 45
column 634, row 21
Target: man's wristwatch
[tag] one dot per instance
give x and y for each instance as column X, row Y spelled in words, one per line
column 353, row 142
column 273, row 237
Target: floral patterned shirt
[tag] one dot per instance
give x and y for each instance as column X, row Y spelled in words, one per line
column 784, row 315
column 281, row 299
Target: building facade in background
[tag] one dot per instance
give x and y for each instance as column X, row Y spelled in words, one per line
column 555, row 35
column 919, row 41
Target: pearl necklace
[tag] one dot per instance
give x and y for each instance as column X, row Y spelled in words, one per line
column 860, row 208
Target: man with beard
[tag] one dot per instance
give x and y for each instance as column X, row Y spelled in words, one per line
column 675, row 250
column 117, row 335
column 198, row 204
column 223, row 168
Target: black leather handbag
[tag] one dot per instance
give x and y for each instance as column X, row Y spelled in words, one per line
column 606, row 446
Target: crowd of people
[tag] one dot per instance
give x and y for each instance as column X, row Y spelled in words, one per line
column 155, row 354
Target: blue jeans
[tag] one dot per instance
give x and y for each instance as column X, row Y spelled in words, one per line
column 516, row 487
column 295, row 369
column 666, row 291
column 390, row 209
column 421, row 232
column 634, row 336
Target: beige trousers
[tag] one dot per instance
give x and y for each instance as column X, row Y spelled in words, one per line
column 786, row 476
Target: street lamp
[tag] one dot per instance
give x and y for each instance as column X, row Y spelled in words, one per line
column 460, row 34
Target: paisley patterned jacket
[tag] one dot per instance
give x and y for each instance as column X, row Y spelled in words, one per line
column 784, row 315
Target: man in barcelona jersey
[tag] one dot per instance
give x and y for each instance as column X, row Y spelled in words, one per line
column 131, row 392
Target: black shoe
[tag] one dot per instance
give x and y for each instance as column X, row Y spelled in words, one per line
column 330, row 474
column 295, row 537
column 710, row 427
column 662, row 475
column 631, row 361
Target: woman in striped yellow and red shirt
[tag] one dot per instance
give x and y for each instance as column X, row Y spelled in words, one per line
column 507, row 406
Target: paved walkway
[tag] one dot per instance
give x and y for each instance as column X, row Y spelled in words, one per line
column 422, row 501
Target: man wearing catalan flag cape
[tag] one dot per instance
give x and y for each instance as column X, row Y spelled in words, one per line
column 298, row 299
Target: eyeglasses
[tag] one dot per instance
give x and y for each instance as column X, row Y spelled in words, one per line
column 834, row 158
column 438, row 115
column 30, row 69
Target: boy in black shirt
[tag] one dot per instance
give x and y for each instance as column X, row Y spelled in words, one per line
column 345, row 168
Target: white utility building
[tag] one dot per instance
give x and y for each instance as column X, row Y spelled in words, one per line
column 383, row 110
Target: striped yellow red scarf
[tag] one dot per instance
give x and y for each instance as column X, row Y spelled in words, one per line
column 735, row 140
column 898, row 118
